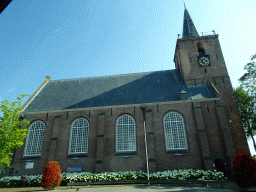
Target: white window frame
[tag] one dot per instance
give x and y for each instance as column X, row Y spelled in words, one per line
column 35, row 137
column 83, row 141
column 130, row 145
column 174, row 126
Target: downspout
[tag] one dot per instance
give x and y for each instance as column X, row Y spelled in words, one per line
column 143, row 107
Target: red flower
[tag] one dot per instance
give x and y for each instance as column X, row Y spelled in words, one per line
column 51, row 175
column 244, row 167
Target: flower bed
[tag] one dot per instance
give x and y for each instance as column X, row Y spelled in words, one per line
column 14, row 181
column 34, row 180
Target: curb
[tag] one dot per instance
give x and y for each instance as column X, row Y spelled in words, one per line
column 198, row 183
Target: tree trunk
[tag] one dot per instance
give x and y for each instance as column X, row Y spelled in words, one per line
column 253, row 142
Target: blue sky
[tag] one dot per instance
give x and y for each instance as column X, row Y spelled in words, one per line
column 77, row 39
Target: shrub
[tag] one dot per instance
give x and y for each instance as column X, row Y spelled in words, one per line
column 35, row 180
column 244, row 167
column 51, row 175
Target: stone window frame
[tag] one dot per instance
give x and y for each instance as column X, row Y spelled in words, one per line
column 122, row 150
column 39, row 133
column 82, row 141
column 178, row 125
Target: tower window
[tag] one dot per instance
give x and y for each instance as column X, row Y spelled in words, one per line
column 200, row 48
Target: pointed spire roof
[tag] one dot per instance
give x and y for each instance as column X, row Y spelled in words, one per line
column 189, row 27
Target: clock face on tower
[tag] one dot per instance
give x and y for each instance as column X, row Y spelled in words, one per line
column 204, row 61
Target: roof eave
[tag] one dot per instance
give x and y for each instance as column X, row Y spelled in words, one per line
column 128, row 105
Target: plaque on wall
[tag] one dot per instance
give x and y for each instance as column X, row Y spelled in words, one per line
column 29, row 165
column 74, row 168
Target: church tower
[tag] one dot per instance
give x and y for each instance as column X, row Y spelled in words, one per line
column 199, row 58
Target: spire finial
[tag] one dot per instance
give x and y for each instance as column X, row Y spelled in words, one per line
column 184, row 4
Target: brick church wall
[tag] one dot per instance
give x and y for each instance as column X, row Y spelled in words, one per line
column 102, row 154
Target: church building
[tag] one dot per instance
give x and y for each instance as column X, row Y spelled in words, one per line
column 188, row 116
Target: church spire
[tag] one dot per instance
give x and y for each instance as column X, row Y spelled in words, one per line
column 189, row 27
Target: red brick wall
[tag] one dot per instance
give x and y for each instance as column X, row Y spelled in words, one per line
column 102, row 143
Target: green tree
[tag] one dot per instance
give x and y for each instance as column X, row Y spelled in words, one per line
column 11, row 130
column 247, row 108
column 248, row 80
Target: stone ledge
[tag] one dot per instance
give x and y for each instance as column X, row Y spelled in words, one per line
column 199, row 183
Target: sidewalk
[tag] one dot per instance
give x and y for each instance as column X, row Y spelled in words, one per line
column 122, row 188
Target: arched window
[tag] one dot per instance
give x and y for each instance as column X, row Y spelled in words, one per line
column 174, row 129
column 200, row 48
column 79, row 137
column 35, row 139
column 125, row 134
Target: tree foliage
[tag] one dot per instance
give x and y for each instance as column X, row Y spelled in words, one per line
column 245, row 95
column 12, row 130
column 247, row 108
column 248, row 80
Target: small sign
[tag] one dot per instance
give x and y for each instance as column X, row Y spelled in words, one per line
column 29, row 165
column 74, row 168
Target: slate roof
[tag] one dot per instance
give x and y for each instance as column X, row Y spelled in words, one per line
column 189, row 27
column 200, row 91
column 149, row 87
